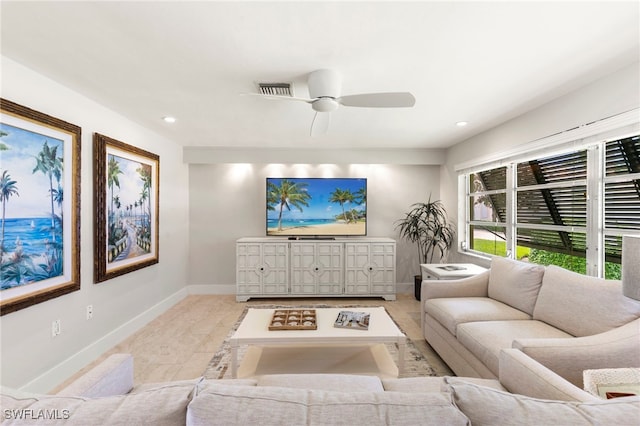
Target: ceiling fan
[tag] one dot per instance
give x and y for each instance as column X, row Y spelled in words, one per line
column 324, row 91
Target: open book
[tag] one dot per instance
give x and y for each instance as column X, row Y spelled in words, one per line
column 354, row 320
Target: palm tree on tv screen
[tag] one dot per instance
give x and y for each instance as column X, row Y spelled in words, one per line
column 286, row 195
column 361, row 196
column 342, row 196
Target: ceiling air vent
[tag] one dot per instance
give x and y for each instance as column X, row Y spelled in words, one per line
column 275, row 89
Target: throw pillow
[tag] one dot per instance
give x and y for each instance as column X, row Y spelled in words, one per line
column 247, row 405
column 515, row 283
column 486, row 406
column 165, row 404
column 583, row 305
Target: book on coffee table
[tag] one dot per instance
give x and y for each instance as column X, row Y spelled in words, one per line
column 353, row 320
column 451, row 268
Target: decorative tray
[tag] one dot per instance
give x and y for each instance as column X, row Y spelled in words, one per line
column 293, row 319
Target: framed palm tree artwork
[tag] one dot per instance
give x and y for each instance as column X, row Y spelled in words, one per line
column 126, row 190
column 40, row 207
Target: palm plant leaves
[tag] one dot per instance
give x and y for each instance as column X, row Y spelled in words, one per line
column 427, row 226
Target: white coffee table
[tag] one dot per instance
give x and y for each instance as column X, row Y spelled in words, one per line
column 329, row 348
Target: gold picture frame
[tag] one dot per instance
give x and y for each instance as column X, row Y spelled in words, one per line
column 126, row 191
column 40, row 204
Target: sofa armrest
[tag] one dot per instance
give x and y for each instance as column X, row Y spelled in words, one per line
column 525, row 376
column 475, row 286
column 113, row 376
column 617, row 348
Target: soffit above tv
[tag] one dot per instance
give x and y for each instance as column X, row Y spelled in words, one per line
column 220, row 155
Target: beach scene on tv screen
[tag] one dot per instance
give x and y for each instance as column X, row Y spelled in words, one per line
column 316, row 206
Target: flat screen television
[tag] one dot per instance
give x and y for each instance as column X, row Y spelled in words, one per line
column 316, row 207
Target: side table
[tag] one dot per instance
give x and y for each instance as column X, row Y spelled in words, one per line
column 610, row 383
column 446, row 271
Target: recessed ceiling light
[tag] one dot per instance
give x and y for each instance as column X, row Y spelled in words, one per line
column 169, row 119
column 461, row 123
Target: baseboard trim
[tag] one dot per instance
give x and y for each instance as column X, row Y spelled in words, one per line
column 211, row 289
column 401, row 288
column 52, row 378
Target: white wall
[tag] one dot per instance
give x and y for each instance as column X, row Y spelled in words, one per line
column 198, row 227
column 614, row 94
column 227, row 202
column 32, row 359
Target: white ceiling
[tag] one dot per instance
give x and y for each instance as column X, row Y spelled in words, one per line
column 481, row 62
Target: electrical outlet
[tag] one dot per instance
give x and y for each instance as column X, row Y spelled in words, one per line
column 89, row 312
column 56, row 328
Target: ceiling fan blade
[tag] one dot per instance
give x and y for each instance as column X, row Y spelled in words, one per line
column 278, row 98
column 320, row 124
column 379, row 100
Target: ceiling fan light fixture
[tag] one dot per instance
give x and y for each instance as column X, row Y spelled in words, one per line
column 325, row 105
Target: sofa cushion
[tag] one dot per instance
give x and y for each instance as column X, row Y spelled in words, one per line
column 430, row 384
column 413, row 384
column 485, row 339
column 165, row 404
column 486, row 406
column 515, row 283
column 329, row 382
column 520, row 373
column 186, row 382
column 113, row 376
column 583, row 305
column 237, row 405
column 616, row 348
column 458, row 310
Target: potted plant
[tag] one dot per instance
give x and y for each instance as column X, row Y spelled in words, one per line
column 427, row 226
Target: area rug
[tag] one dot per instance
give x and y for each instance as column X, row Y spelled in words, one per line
column 416, row 364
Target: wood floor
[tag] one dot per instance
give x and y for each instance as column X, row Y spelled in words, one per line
column 180, row 343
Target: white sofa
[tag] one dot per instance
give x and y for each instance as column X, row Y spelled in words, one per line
column 106, row 395
column 566, row 321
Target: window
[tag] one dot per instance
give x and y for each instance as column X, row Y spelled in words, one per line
column 621, row 198
column 487, row 211
column 568, row 209
column 551, row 209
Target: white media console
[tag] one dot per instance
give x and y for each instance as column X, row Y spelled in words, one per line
column 340, row 267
